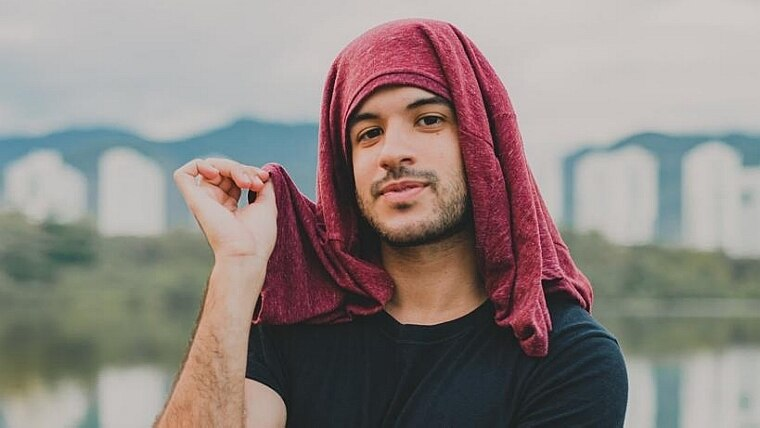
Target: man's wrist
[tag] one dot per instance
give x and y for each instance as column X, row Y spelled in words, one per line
column 233, row 289
column 244, row 265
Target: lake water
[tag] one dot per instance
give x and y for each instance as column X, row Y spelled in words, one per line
column 699, row 385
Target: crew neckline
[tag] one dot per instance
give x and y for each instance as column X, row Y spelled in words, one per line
column 418, row 333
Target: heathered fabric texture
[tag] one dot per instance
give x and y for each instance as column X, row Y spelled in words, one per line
column 324, row 267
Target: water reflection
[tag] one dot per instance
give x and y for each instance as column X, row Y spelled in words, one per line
column 121, row 398
column 130, row 397
column 721, row 389
column 61, row 405
column 708, row 388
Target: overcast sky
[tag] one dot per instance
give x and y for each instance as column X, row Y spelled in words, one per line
column 579, row 72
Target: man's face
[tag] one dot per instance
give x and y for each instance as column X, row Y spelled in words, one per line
column 408, row 170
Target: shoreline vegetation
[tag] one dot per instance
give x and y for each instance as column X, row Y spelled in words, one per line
column 678, row 307
column 72, row 301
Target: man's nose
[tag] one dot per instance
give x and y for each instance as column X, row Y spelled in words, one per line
column 397, row 147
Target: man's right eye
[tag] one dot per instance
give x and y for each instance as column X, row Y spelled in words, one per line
column 369, row 134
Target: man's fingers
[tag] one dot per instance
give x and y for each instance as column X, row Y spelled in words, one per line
column 263, row 174
column 227, row 185
column 207, row 170
column 262, row 195
column 215, row 170
column 241, row 178
column 223, row 178
column 256, row 182
column 244, row 176
column 185, row 175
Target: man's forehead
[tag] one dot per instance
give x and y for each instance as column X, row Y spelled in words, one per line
column 400, row 91
column 409, row 97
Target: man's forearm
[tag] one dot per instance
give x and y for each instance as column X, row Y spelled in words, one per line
column 210, row 388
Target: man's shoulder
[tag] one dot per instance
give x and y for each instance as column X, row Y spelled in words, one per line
column 583, row 379
column 573, row 326
column 568, row 316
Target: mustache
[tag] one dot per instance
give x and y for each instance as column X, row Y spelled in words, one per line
column 404, row 172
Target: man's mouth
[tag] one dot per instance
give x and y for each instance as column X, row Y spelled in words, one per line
column 401, row 186
column 401, row 191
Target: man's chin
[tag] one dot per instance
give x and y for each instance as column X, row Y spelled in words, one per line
column 417, row 236
column 404, row 240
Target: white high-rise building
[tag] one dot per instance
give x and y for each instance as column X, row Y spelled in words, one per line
column 749, row 246
column 131, row 194
column 130, row 397
column 616, row 194
column 43, row 187
column 711, row 199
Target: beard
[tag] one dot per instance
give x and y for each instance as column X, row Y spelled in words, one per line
column 451, row 214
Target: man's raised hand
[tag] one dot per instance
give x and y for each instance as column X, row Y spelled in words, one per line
column 210, row 388
column 212, row 187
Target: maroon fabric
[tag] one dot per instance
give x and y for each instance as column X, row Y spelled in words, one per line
column 322, row 269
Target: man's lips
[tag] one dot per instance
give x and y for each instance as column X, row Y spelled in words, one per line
column 401, row 191
column 401, row 186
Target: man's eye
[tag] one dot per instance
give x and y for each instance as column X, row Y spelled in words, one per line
column 430, row 120
column 370, row 134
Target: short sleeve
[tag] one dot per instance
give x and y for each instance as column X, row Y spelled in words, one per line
column 264, row 361
column 583, row 384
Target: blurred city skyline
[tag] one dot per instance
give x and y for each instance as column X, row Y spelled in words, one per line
column 586, row 73
column 695, row 191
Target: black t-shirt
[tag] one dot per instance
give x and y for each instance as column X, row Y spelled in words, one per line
column 468, row 372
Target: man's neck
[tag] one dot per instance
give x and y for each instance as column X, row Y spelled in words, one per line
column 436, row 282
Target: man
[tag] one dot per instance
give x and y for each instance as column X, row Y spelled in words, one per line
column 427, row 287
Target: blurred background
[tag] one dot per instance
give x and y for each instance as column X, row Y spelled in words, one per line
column 641, row 120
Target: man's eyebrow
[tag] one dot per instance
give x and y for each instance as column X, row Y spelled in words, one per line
column 356, row 118
column 426, row 101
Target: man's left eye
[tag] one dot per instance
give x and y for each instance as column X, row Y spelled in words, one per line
column 430, row 120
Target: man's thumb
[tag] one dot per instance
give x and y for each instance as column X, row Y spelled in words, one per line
column 264, row 195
